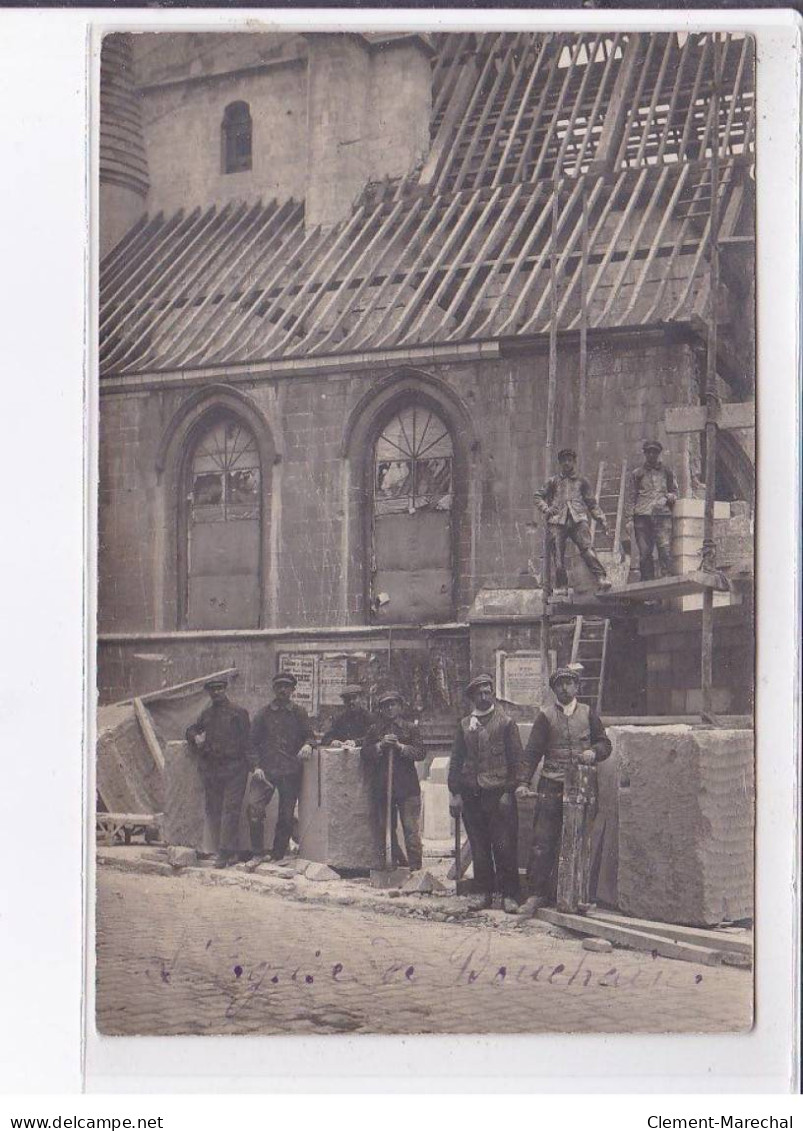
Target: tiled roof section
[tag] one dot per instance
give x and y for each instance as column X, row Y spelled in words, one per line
column 486, row 243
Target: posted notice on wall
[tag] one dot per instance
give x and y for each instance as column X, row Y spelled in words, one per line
column 518, row 677
column 304, row 666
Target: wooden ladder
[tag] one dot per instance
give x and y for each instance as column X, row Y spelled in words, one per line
column 589, row 648
column 590, row 642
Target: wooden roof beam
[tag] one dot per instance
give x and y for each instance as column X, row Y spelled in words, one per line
column 621, row 98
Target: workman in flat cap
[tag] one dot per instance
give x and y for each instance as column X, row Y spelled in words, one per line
column 397, row 740
column 652, row 493
column 568, row 504
column 564, row 731
column 352, row 722
column 485, row 768
column 220, row 740
column 281, row 739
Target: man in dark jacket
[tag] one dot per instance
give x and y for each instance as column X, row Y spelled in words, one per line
column 652, row 493
column 220, row 739
column 563, row 732
column 568, row 504
column 281, row 739
column 397, row 739
column 352, row 722
column 485, row 768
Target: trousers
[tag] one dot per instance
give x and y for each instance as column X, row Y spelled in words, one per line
column 224, row 788
column 492, row 823
column 259, row 797
column 542, row 867
column 580, row 534
column 653, row 532
column 408, row 811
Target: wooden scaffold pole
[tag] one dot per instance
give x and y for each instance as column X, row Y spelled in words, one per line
column 710, row 400
column 550, row 429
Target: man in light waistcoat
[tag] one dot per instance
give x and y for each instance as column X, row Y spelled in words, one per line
column 563, row 732
column 485, row 768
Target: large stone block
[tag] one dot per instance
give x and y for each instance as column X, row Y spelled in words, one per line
column 686, row 802
column 339, row 812
column 437, row 824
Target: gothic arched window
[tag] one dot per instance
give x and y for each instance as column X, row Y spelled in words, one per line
column 412, row 575
column 236, row 131
column 224, row 516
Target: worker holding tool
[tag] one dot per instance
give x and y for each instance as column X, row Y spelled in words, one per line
column 484, row 770
column 652, row 493
column 567, row 502
column 220, row 739
column 281, row 739
column 563, row 732
column 393, row 746
column 352, row 722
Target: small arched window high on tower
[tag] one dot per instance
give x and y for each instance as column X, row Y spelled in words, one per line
column 236, row 137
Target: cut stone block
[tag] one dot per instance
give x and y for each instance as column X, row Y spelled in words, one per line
column 339, row 813
column 439, row 771
column 180, row 857
column 320, row 872
column 184, row 798
column 437, row 824
column 424, row 883
column 685, row 823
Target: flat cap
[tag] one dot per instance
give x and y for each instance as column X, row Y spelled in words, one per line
column 285, row 677
column 567, row 452
column 654, row 444
column 478, row 681
column 218, row 681
column 568, row 671
column 351, row 689
column 390, row 695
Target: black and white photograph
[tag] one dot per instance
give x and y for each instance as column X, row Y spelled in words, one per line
column 425, row 549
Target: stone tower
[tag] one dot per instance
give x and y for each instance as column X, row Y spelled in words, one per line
column 123, row 164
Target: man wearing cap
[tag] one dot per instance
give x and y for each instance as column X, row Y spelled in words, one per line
column 485, row 768
column 564, row 731
column 352, row 722
column 220, row 739
column 281, row 739
column 567, row 502
column 393, row 737
column 652, row 492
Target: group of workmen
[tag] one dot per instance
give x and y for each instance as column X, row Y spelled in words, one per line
column 489, row 769
column 569, row 507
column 488, row 772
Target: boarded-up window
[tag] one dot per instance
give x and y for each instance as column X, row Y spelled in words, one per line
column 223, row 529
column 412, row 504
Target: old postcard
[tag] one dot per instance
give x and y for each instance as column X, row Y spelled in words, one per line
column 426, row 532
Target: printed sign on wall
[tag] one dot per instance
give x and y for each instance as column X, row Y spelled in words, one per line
column 304, row 666
column 332, row 678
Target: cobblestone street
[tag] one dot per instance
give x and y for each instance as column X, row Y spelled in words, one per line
column 179, row 955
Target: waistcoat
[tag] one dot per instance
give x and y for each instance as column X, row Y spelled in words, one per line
column 485, row 764
column 569, row 736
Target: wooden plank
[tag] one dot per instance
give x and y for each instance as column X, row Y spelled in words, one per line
column 556, row 46
column 648, row 124
column 635, row 244
column 556, row 116
column 149, row 734
column 451, row 151
column 129, row 818
column 465, row 165
column 668, row 213
column 635, row 940
column 676, row 87
column 620, row 103
column 571, row 125
column 700, row 936
column 679, row 585
column 693, row 418
column 199, row 681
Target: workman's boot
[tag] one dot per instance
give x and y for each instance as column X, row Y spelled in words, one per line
column 256, row 830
